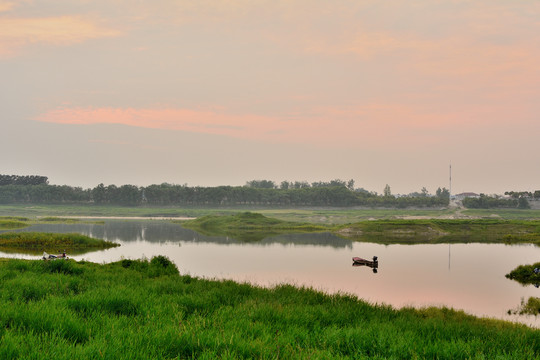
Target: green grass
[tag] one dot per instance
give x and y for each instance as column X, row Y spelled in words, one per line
column 524, row 274
column 12, row 224
column 35, row 211
column 35, row 243
column 529, row 307
column 247, row 226
column 336, row 216
column 143, row 309
column 509, row 214
column 55, row 219
column 443, row 231
column 253, row 227
column 311, row 215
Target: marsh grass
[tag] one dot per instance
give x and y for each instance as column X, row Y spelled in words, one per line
column 54, row 219
column 525, row 274
column 143, row 309
column 509, row 214
column 12, row 224
column 36, row 242
column 15, row 218
column 444, row 231
column 247, row 226
column 317, row 215
column 253, row 227
column 529, row 307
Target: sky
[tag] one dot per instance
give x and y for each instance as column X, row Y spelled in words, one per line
column 209, row 93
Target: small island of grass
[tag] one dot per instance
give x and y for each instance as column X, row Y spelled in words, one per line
column 13, row 222
column 248, row 226
column 526, row 274
column 529, row 307
column 36, row 242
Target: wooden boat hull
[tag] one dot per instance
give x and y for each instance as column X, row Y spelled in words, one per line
column 357, row 261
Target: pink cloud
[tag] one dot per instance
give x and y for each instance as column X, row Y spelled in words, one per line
column 203, row 121
column 6, row 6
column 365, row 125
column 16, row 33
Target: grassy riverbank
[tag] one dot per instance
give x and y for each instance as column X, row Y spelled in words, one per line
column 444, row 231
column 139, row 309
column 19, row 222
column 326, row 215
column 36, row 243
column 252, row 226
column 12, row 224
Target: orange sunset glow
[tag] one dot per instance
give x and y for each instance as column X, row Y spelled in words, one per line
column 379, row 92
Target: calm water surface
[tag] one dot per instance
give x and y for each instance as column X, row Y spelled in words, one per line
column 470, row 277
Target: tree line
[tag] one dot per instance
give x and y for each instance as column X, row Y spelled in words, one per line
column 518, row 200
column 337, row 193
column 23, row 180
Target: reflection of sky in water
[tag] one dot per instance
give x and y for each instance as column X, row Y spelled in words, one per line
column 463, row 276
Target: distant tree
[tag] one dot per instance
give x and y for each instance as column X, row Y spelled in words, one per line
column 301, row 185
column 523, row 203
column 518, row 194
column 23, row 180
column 442, row 193
column 487, row 202
column 424, row 192
column 338, row 182
column 350, row 184
column 362, row 190
column 99, row 194
column 261, row 184
column 284, row 185
column 387, row 192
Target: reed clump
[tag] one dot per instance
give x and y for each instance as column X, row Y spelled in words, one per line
column 13, row 222
column 142, row 309
column 35, row 242
column 526, row 274
column 248, row 226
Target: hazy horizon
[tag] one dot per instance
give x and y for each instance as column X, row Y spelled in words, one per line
column 224, row 92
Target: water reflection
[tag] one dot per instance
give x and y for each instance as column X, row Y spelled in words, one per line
column 166, row 232
column 470, row 277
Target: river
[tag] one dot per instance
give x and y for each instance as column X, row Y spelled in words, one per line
column 468, row 277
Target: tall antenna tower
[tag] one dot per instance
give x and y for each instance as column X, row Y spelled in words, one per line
column 450, row 190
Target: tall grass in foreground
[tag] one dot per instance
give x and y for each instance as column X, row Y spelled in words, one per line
column 142, row 309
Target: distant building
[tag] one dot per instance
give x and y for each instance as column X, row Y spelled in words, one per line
column 466, row 195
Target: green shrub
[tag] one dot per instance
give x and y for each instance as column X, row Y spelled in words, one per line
column 525, row 274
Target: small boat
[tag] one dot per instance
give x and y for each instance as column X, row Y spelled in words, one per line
column 374, row 264
column 54, row 257
column 360, row 261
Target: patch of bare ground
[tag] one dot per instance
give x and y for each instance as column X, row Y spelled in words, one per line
column 429, row 232
column 458, row 214
column 350, row 232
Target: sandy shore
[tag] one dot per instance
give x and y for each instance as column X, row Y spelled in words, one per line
column 127, row 217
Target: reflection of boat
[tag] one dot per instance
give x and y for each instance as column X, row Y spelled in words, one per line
column 374, row 264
